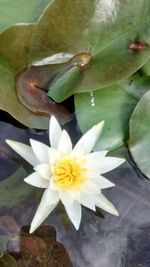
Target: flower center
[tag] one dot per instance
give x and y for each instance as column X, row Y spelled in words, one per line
column 69, row 173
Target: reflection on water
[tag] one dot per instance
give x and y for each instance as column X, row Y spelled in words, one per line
column 39, row 249
column 102, row 241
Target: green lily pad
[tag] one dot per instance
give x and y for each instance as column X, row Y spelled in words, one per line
column 116, row 61
column 10, row 103
column 139, row 141
column 14, row 189
column 12, row 12
column 81, row 26
column 108, row 31
column 114, row 105
column 14, row 48
column 6, row 260
column 15, row 43
column 146, row 68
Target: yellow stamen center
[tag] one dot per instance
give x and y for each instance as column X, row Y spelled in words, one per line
column 69, row 173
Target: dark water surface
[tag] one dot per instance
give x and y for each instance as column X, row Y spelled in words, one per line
column 103, row 240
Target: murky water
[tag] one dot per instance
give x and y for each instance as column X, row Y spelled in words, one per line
column 103, row 240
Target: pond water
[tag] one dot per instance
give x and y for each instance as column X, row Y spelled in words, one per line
column 103, row 240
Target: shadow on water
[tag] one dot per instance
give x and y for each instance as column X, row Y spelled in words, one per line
column 103, row 240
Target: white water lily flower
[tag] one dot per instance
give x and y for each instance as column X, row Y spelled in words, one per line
column 70, row 175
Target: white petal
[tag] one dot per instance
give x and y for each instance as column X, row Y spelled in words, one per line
column 87, row 201
column 106, row 164
column 51, row 196
column 41, row 214
column 44, row 170
column 54, row 132
column 96, row 156
column 65, row 144
column 75, row 194
column 66, row 199
column 102, row 202
column 53, row 155
column 24, row 151
column 40, row 150
column 53, row 185
column 102, row 182
column 74, row 213
column 36, row 180
column 78, row 152
column 89, row 139
column 90, row 187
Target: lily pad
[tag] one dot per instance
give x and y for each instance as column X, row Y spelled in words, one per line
column 10, row 103
column 146, row 68
column 136, row 85
column 114, row 105
column 15, row 43
column 139, row 142
column 6, row 260
column 111, row 104
column 14, row 48
column 14, row 189
column 12, row 12
column 108, row 31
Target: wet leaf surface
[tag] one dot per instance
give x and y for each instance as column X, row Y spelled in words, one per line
column 83, row 25
column 105, row 30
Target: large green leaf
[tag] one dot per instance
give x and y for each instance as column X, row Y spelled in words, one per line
column 15, row 43
column 10, row 103
column 16, row 11
column 107, row 30
column 116, row 61
column 114, row 105
column 139, row 142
